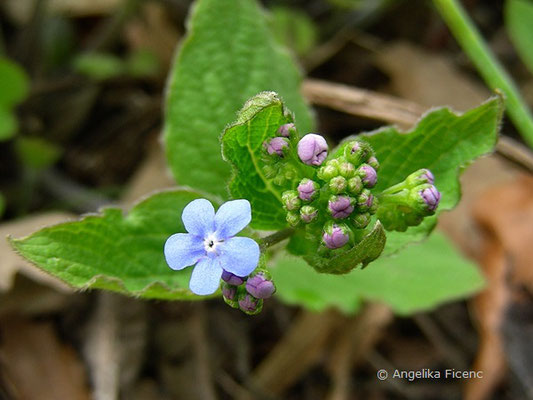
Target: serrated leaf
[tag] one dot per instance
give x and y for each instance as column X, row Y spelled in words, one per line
column 364, row 252
column 116, row 252
column 242, row 146
column 419, row 278
column 518, row 21
column 443, row 142
column 228, row 56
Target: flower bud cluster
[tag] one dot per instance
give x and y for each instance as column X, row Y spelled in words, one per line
column 338, row 198
column 277, row 154
column 247, row 293
column 408, row 202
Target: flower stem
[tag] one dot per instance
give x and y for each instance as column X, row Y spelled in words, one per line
column 488, row 66
column 276, row 237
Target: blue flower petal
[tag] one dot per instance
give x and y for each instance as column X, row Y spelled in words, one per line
column 183, row 249
column 198, row 217
column 232, row 217
column 239, row 255
column 205, row 277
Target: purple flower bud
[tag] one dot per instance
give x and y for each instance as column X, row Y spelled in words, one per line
column 290, row 200
column 276, row 146
column 431, row 197
column 365, row 200
column 260, row 286
column 340, row 206
column 308, row 214
column 285, row 130
column 337, row 185
column 346, row 170
column 229, row 291
column 355, row 185
column 312, row 149
column 231, row 278
column 361, row 221
column 368, row 175
column 250, row 305
column 335, row 236
column 307, row 189
column 373, row 162
column 422, row 176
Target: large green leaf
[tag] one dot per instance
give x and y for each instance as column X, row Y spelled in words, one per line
column 228, row 56
column 418, row 278
column 519, row 24
column 443, row 142
column 115, row 252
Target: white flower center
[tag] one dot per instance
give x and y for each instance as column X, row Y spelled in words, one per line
column 211, row 243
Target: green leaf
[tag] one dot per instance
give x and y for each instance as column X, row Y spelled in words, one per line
column 8, row 124
column 294, row 29
column 242, row 146
column 115, row 252
column 518, row 21
column 364, row 252
column 228, row 56
column 443, row 142
column 14, row 83
column 419, row 278
column 99, row 66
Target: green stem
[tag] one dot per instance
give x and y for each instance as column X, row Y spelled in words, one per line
column 276, row 237
column 488, row 66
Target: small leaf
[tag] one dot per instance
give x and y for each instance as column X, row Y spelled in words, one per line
column 518, row 21
column 99, row 66
column 228, row 56
column 443, row 142
column 8, row 124
column 294, row 29
column 419, row 278
column 364, row 252
column 14, row 83
column 37, row 153
column 242, row 146
column 115, row 252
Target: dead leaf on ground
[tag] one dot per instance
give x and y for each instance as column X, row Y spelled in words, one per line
column 36, row 365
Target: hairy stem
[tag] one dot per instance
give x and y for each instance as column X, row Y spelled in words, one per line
column 488, row 66
column 276, row 237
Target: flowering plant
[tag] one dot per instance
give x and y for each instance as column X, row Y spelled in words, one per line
column 297, row 216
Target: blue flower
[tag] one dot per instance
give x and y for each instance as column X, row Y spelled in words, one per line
column 211, row 244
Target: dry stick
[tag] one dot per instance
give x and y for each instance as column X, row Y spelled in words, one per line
column 357, row 338
column 296, row 352
column 393, row 110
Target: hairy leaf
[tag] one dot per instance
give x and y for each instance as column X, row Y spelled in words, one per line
column 228, row 56
column 419, row 278
column 116, row 252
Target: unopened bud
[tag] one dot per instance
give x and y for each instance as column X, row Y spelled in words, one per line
column 308, row 214
column 286, row 130
column 338, row 185
column 312, row 149
column 428, row 197
column 293, row 218
column 368, row 175
column 346, row 170
column 422, row 176
column 355, row 185
column 276, row 146
column 232, row 279
column 290, row 200
column 373, row 162
column 340, row 206
column 357, row 152
column 327, row 172
column 260, row 285
column 336, row 235
column 249, row 304
column 365, row 200
column 229, row 294
column 307, row 189
column 361, row 221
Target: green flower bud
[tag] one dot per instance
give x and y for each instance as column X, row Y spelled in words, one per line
column 329, row 170
column 361, row 221
column 365, row 200
column 347, row 169
column 293, row 218
column 290, row 200
column 357, row 152
column 355, row 185
column 374, row 207
column 308, row 214
column 373, row 162
column 422, row 176
column 337, row 185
